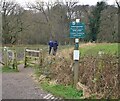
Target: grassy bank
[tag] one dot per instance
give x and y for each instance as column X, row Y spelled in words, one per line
column 59, row 90
column 93, row 49
column 66, row 92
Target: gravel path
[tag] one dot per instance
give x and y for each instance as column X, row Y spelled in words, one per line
column 20, row 85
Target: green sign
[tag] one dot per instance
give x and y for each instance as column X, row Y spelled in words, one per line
column 77, row 30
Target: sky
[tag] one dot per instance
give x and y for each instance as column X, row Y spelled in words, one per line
column 85, row 2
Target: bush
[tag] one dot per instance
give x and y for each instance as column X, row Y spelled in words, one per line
column 100, row 74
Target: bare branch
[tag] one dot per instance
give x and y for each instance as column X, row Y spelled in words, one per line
column 40, row 7
column 117, row 3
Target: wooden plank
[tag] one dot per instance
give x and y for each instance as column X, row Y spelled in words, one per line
column 10, row 51
column 33, row 62
column 32, row 57
column 36, row 51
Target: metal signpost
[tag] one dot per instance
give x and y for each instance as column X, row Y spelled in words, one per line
column 77, row 30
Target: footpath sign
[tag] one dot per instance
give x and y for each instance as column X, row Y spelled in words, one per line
column 77, row 30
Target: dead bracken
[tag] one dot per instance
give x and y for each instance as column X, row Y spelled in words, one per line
column 98, row 74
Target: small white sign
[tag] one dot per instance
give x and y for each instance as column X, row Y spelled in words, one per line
column 77, row 20
column 76, row 40
column 76, row 55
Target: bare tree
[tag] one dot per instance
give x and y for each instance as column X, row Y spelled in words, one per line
column 70, row 8
column 118, row 4
column 11, row 21
column 0, row 23
column 45, row 9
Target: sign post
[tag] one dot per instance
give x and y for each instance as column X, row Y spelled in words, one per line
column 76, row 31
column 76, row 61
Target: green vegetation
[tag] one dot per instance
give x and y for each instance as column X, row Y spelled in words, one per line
column 107, row 48
column 107, row 62
column 37, row 71
column 95, row 21
column 8, row 69
column 20, row 62
column 67, row 92
column 102, row 19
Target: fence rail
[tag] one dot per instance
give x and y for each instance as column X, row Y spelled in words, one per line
column 36, row 51
column 30, row 54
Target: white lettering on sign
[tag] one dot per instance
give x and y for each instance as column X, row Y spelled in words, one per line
column 73, row 23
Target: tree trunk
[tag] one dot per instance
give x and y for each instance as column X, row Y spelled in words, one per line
column 118, row 24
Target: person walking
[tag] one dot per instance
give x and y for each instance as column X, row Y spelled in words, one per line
column 55, row 47
column 50, row 46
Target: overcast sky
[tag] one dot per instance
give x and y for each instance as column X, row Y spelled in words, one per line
column 89, row 2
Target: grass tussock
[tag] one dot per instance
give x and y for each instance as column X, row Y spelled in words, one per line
column 66, row 92
column 8, row 69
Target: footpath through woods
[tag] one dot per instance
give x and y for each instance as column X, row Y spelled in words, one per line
column 20, row 85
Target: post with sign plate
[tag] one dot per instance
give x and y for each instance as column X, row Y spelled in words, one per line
column 76, row 61
column 76, row 31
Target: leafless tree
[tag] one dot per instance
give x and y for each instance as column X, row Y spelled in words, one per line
column 118, row 4
column 45, row 9
column 70, row 8
column 11, row 21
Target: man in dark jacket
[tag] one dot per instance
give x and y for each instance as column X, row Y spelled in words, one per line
column 55, row 46
column 50, row 46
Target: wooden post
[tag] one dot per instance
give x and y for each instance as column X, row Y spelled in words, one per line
column 25, row 59
column 40, row 57
column 15, row 61
column 12, row 57
column 15, row 55
column 76, row 66
column 6, row 56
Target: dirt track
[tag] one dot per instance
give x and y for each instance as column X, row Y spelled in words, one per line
column 20, row 85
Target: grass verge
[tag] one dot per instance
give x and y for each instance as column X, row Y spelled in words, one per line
column 66, row 92
column 8, row 69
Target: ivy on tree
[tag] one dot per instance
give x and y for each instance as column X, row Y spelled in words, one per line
column 94, row 20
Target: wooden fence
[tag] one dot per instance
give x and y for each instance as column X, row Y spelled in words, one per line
column 32, row 57
column 9, row 58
